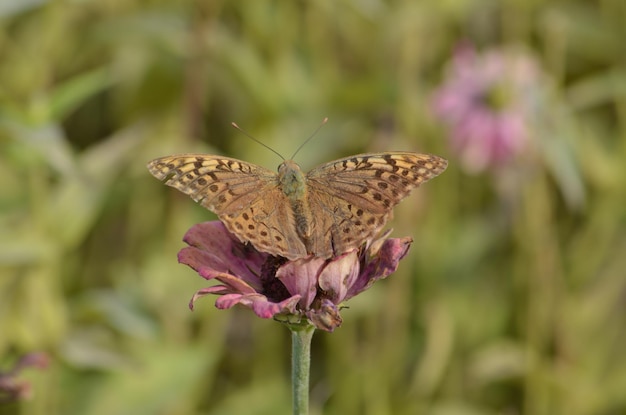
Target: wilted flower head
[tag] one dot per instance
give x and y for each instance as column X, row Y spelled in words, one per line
column 311, row 288
column 489, row 101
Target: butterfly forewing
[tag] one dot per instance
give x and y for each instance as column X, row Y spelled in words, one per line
column 246, row 198
column 346, row 202
column 361, row 192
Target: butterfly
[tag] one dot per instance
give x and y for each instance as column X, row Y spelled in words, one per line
column 332, row 209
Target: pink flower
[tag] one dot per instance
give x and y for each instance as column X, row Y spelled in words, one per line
column 489, row 101
column 273, row 287
column 12, row 388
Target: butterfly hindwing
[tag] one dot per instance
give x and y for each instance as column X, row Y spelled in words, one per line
column 268, row 223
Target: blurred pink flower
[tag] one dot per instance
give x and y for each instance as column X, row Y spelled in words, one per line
column 489, row 101
column 311, row 288
column 13, row 389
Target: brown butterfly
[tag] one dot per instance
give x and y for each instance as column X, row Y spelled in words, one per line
column 328, row 211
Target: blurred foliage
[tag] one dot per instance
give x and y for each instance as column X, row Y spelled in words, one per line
column 509, row 302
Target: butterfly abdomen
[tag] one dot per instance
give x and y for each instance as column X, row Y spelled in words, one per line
column 293, row 185
column 302, row 214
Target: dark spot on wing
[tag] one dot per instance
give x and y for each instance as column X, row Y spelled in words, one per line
column 389, row 159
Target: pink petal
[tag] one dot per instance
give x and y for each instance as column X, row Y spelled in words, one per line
column 300, row 277
column 235, row 284
column 384, row 262
column 232, row 285
column 216, row 248
column 259, row 304
column 266, row 309
column 339, row 275
column 216, row 289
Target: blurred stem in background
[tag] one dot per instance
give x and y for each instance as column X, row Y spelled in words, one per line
column 539, row 278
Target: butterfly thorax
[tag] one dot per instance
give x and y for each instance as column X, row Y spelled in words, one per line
column 293, row 184
column 292, row 181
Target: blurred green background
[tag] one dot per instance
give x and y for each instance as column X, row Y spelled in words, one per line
column 510, row 302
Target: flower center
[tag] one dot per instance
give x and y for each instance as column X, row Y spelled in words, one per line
column 498, row 97
column 273, row 288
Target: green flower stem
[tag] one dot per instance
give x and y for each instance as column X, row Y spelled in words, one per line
column 301, row 336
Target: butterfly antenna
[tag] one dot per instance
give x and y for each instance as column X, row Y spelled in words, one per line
column 324, row 121
column 257, row 141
